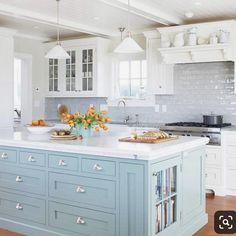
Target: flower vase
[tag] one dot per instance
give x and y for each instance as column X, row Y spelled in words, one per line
column 80, row 130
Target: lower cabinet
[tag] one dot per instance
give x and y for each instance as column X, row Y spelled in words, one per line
column 122, row 197
column 80, row 220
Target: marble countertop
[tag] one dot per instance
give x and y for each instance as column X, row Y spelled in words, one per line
column 104, row 144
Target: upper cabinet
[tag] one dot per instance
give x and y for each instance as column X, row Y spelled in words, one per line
column 85, row 74
column 160, row 76
column 203, row 42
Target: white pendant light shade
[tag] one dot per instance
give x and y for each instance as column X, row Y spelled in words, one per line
column 57, row 52
column 128, row 45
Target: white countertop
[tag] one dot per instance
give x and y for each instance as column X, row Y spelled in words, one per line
column 102, row 145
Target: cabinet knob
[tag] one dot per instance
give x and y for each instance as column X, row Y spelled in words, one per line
column 160, row 86
column 206, row 175
column 31, row 159
column 19, row 179
column 62, row 163
column 80, row 220
column 80, row 189
column 4, row 156
column 19, row 206
column 97, row 167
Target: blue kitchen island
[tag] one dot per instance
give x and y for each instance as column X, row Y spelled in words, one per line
column 101, row 187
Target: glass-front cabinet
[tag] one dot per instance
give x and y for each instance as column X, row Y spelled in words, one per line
column 88, row 58
column 74, row 76
column 165, row 196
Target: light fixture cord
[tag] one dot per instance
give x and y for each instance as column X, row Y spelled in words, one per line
column 58, row 23
column 128, row 17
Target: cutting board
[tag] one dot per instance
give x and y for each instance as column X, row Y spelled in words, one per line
column 64, row 137
column 151, row 141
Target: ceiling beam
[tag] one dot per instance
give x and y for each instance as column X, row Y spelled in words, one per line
column 141, row 9
column 48, row 20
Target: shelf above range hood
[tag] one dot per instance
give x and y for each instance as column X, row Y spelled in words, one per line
column 200, row 53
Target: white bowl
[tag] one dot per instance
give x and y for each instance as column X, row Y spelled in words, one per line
column 39, row 129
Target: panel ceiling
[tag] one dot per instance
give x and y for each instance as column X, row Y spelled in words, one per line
column 93, row 13
column 204, row 10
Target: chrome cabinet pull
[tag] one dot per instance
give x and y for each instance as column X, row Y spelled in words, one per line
column 80, row 189
column 62, row 163
column 4, row 156
column 80, row 220
column 19, row 206
column 19, row 179
column 97, row 167
column 31, row 159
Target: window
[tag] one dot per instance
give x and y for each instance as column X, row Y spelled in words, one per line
column 132, row 78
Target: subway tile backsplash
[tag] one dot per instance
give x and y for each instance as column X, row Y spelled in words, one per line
column 199, row 89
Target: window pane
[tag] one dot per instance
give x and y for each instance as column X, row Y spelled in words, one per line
column 124, row 88
column 72, row 84
column 135, row 88
column 51, row 85
column 67, row 84
column 90, row 84
column 50, row 71
column 55, row 85
column 135, row 69
column 73, row 57
column 50, row 62
column 84, row 85
column 55, row 71
column 124, row 69
column 144, row 69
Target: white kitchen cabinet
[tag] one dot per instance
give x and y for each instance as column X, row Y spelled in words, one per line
column 86, row 74
column 160, row 75
column 215, row 170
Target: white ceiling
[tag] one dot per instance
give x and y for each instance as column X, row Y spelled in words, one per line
column 103, row 17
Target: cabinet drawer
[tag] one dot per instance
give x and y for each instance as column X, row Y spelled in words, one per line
column 83, row 190
column 63, row 162
column 98, row 167
column 81, row 221
column 213, row 176
column 22, row 207
column 231, row 140
column 32, row 158
column 8, row 155
column 21, row 179
column 213, row 157
column 231, row 179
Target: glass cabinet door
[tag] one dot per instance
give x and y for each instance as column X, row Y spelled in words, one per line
column 164, row 197
column 53, row 75
column 87, row 69
column 71, row 71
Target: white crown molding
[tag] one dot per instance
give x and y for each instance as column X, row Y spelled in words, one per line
column 7, row 32
column 48, row 20
column 145, row 11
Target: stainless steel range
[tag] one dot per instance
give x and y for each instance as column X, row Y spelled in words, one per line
column 213, row 132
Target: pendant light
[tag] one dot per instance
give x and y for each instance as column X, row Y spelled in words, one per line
column 128, row 45
column 57, row 52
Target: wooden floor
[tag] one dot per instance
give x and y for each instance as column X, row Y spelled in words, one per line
column 213, row 205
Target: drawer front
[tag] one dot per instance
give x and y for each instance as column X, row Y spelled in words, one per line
column 213, row 157
column 231, row 140
column 22, row 207
column 8, row 155
column 63, row 162
column 21, row 179
column 81, row 221
column 98, row 167
column 231, row 179
column 82, row 190
column 32, row 158
column 213, row 176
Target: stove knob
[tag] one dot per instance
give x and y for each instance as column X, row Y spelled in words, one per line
column 183, row 134
column 202, row 136
column 188, row 135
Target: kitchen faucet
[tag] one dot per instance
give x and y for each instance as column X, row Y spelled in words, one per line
column 18, row 112
column 126, row 118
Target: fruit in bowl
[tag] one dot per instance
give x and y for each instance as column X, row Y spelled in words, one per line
column 39, row 127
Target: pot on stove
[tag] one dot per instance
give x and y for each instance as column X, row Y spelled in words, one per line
column 212, row 119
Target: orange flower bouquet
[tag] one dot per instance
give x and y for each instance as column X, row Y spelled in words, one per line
column 90, row 120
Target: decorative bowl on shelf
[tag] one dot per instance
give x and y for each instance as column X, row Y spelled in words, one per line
column 39, row 129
